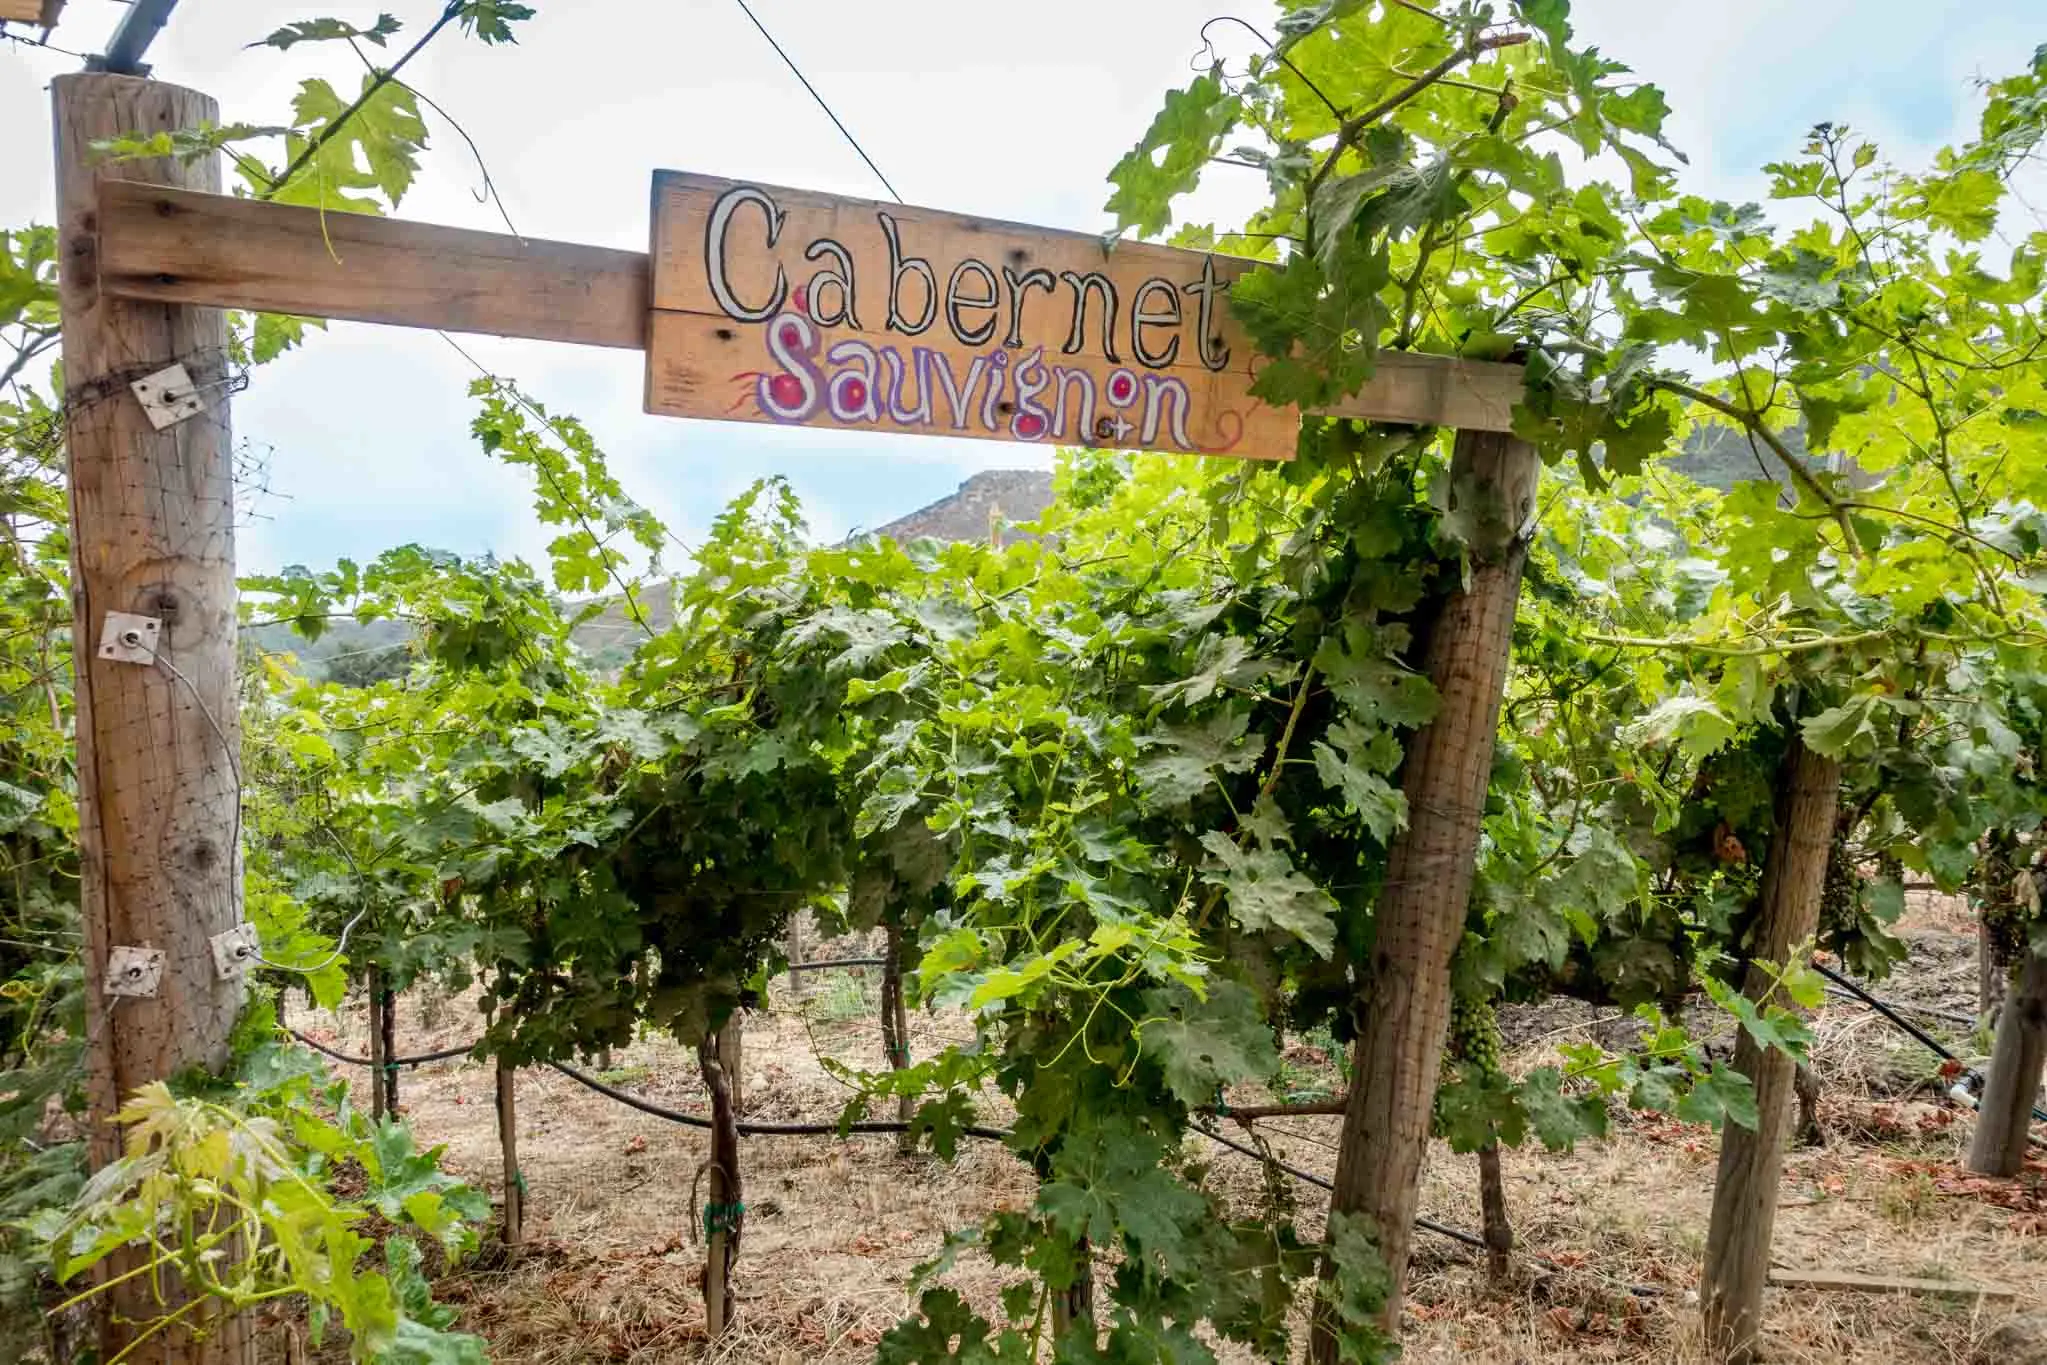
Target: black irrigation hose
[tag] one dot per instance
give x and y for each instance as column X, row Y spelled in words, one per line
column 1925, row 1038
column 838, row 962
column 443, row 1055
column 755, row 1129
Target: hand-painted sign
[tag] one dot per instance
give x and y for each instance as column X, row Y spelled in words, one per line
column 777, row 305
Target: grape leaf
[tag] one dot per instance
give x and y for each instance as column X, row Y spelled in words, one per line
column 1203, row 1044
column 1264, row 891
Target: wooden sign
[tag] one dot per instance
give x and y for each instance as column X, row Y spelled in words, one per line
column 779, row 305
column 43, row 12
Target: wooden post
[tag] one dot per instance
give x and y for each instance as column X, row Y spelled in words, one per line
column 792, row 948
column 2012, row 1087
column 725, row 1214
column 1074, row 1306
column 1492, row 1199
column 1405, row 993
column 379, row 1058
column 387, row 1034
column 508, row 1140
column 732, row 1058
column 2000, row 919
column 152, row 534
column 1751, row 1162
column 895, row 1021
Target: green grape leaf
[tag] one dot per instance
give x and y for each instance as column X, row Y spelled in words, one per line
column 1182, row 760
column 1265, row 892
column 330, row 30
column 376, row 148
column 1202, row 1044
column 1558, row 1120
column 1720, row 1097
column 492, row 20
column 1168, row 159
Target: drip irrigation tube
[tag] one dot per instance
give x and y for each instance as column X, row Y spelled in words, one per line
column 838, row 962
column 443, row 1055
column 757, row 1129
column 762, row 1129
column 1925, row 1039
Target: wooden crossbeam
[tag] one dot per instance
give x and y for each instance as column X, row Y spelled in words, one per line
column 170, row 246
column 177, row 246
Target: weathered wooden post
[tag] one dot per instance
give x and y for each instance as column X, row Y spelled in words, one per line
column 508, row 1140
column 2012, row 1086
column 1751, row 1162
column 387, row 1038
column 895, row 1022
column 725, row 1210
column 380, row 1057
column 1431, row 863
column 152, row 557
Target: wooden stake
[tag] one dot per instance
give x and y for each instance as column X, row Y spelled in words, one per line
column 379, row 1058
column 152, row 535
column 895, row 1022
column 2012, row 1086
column 727, row 1208
column 732, row 1058
column 508, row 1140
column 1074, row 1306
column 387, row 1031
column 1752, row 1162
column 1492, row 1199
column 792, row 948
column 1405, row 992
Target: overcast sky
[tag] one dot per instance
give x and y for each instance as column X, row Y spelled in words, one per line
column 1012, row 111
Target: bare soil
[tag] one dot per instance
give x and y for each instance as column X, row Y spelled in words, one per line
column 1609, row 1237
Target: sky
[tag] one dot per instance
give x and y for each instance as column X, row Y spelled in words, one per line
column 1013, row 112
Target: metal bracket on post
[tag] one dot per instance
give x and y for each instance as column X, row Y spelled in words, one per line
column 233, row 950
column 130, row 638
column 134, row 972
column 168, row 397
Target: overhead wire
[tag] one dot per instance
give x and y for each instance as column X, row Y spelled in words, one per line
column 837, row 122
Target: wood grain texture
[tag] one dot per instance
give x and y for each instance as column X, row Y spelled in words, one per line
column 1854, row 1282
column 514, row 1230
column 2011, row 1087
column 1404, row 996
column 40, row 12
column 1752, row 1161
column 172, row 247
column 1437, row 391
column 153, row 533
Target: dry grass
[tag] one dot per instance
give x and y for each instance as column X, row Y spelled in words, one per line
column 834, row 1228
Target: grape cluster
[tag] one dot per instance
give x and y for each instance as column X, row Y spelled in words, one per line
column 1474, row 1038
column 1839, row 898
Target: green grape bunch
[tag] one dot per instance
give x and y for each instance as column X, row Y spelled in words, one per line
column 1474, row 1044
